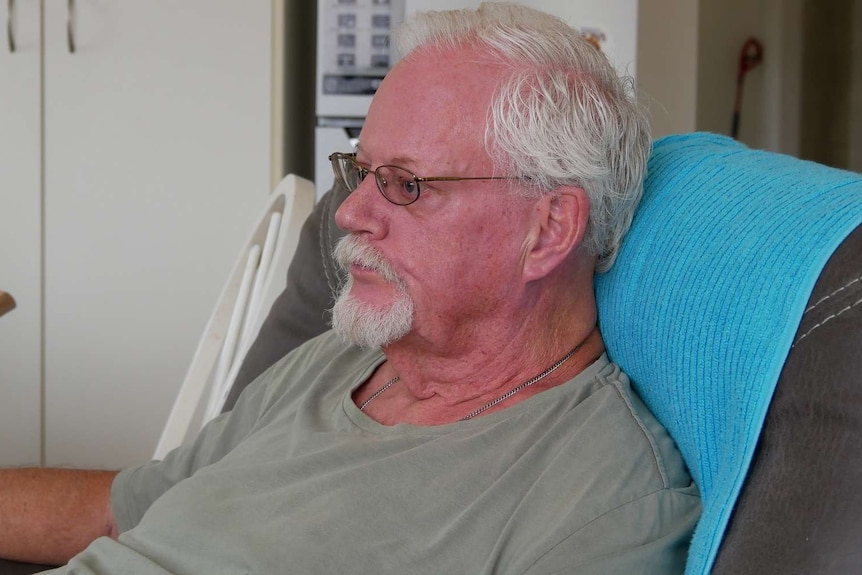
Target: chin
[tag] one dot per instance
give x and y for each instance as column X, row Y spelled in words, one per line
column 367, row 325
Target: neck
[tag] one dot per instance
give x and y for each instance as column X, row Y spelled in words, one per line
column 464, row 372
column 444, row 402
column 448, row 370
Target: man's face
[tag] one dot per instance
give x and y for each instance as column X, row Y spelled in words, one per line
column 457, row 251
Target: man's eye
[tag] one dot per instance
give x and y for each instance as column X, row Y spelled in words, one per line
column 409, row 187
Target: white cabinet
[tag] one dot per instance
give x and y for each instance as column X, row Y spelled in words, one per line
column 151, row 153
column 20, row 236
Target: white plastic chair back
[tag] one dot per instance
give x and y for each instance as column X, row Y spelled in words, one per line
column 257, row 278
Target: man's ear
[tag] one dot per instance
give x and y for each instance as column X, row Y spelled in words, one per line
column 559, row 225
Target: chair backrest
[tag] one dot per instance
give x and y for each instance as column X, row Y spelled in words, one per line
column 705, row 299
column 300, row 312
column 254, row 283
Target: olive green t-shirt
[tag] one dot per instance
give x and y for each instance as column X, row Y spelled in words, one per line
column 577, row 479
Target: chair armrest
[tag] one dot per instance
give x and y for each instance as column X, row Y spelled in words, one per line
column 14, row 568
column 7, row 303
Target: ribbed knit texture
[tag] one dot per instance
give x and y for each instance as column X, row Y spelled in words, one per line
column 707, row 293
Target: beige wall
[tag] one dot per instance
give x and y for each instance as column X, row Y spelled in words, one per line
column 804, row 99
column 779, row 103
column 724, row 26
column 688, row 53
column 827, row 80
column 667, row 63
column 855, row 156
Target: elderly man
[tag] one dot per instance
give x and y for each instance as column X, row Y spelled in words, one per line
column 462, row 416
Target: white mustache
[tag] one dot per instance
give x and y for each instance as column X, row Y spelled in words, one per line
column 350, row 250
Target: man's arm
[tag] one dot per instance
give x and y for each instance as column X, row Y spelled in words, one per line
column 50, row 515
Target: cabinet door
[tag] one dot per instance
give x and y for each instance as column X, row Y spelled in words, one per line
column 157, row 149
column 20, row 235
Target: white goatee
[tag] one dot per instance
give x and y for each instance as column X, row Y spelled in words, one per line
column 358, row 322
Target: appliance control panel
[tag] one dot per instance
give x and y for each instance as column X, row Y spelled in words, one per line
column 354, row 51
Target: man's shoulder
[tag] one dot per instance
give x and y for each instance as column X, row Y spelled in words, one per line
column 326, row 357
column 644, row 432
column 322, row 349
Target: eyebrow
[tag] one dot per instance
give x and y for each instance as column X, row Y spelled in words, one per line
column 400, row 161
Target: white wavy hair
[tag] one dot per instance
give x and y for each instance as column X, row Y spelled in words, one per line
column 562, row 117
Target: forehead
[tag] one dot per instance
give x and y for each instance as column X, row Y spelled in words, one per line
column 432, row 108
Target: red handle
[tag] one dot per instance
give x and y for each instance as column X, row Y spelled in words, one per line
column 751, row 56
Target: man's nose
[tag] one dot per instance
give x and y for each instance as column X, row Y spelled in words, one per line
column 362, row 210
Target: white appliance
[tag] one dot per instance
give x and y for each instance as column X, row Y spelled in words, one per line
column 353, row 55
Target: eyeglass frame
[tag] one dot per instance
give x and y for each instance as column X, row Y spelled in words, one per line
column 363, row 171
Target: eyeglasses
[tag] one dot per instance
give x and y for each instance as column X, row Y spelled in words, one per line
column 398, row 185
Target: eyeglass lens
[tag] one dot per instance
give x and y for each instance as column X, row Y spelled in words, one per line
column 397, row 185
column 348, row 173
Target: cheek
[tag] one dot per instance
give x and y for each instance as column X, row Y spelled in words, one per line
column 479, row 256
column 476, row 264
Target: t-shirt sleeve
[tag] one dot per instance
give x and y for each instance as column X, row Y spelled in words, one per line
column 135, row 489
column 649, row 535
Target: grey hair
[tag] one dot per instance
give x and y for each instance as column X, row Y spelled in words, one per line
column 562, row 116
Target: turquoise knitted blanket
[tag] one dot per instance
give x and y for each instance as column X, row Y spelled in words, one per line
column 703, row 303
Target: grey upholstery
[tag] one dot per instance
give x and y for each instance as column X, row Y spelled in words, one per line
column 15, row 568
column 801, row 508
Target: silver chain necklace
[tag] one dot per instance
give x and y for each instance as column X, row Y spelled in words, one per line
column 491, row 404
column 374, row 395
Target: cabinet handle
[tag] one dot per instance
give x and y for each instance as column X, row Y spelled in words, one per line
column 70, row 26
column 10, row 26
